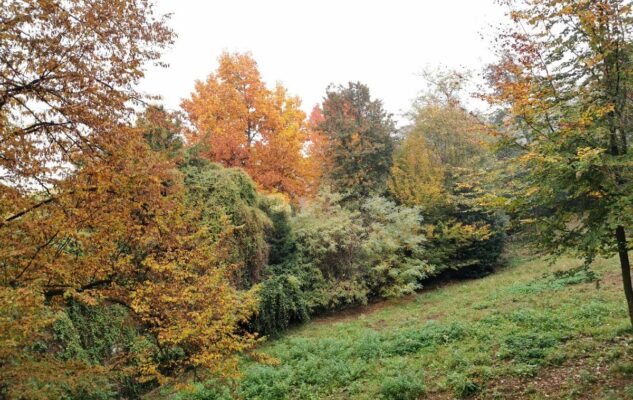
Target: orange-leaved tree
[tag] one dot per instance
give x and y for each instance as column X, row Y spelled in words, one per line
column 244, row 124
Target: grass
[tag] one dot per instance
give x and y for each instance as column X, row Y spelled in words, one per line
column 527, row 331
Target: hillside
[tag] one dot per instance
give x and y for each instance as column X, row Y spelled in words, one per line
column 241, row 241
column 523, row 332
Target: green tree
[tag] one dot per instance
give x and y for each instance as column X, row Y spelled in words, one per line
column 441, row 167
column 228, row 196
column 162, row 129
column 564, row 77
column 360, row 143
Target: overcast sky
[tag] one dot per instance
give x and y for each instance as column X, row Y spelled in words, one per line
column 307, row 45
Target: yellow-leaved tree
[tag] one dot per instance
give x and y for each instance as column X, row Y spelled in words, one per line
column 89, row 214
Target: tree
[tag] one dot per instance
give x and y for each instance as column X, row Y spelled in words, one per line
column 244, row 124
column 228, row 197
column 359, row 141
column 88, row 212
column 162, row 129
column 440, row 167
column 564, row 78
column 417, row 175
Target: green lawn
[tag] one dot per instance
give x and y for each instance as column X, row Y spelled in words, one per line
column 522, row 332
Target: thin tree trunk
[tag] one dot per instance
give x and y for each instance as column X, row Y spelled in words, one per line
column 625, row 265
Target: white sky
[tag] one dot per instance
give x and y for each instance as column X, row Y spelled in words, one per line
column 308, row 45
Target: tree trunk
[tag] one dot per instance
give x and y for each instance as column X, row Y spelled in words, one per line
column 620, row 236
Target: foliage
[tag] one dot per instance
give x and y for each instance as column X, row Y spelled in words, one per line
column 92, row 334
column 557, row 280
column 441, row 166
column 189, row 302
column 281, row 303
column 91, row 214
column 468, row 240
column 228, row 197
column 330, row 261
column 204, row 391
column 394, row 248
column 475, row 338
column 406, row 386
column 359, row 141
column 138, row 248
column 417, row 175
column 279, row 236
column 162, row 130
column 244, row 124
column 451, row 133
column 567, row 99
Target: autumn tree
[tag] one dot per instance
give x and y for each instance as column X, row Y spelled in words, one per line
column 360, row 143
column 440, row 166
column 453, row 133
column 417, row 175
column 86, row 213
column 441, row 146
column 564, row 78
column 318, row 147
column 245, row 124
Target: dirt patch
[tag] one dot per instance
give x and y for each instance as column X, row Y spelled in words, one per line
column 611, row 279
column 352, row 313
column 584, row 378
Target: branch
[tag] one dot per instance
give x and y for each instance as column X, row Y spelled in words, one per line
column 61, row 289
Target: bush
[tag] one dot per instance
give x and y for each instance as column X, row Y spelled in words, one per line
column 228, row 197
column 405, row 386
column 330, row 260
column 394, row 248
column 281, row 304
column 467, row 240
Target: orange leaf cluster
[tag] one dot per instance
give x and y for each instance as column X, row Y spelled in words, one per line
column 242, row 123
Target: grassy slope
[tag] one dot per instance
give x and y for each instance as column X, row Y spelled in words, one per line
column 514, row 334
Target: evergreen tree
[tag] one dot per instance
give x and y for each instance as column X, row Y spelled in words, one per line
column 360, row 143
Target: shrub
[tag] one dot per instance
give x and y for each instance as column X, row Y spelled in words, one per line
column 466, row 238
column 406, row 386
column 394, row 247
column 329, row 261
column 281, row 303
column 228, row 197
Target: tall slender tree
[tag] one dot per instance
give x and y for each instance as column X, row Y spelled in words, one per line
column 564, row 77
column 360, row 141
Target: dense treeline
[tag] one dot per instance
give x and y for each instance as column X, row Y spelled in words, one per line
column 139, row 244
